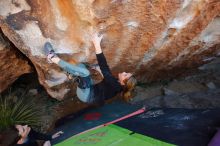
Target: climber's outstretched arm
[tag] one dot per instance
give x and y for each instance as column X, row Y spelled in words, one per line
column 108, row 77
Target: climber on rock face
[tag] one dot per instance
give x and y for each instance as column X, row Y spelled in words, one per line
column 87, row 91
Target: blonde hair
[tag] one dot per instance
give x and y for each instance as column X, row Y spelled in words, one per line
column 128, row 88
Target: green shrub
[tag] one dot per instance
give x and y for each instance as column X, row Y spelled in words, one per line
column 23, row 110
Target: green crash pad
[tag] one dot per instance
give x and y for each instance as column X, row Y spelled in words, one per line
column 111, row 135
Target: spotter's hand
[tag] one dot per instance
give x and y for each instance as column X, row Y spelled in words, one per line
column 57, row 134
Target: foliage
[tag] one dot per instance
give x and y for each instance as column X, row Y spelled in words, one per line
column 23, row 110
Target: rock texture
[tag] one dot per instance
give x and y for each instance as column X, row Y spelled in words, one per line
column 155, row 39
column 200, row 90
column 12, row 65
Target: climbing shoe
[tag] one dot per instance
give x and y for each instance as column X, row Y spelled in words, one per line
column 49, row 51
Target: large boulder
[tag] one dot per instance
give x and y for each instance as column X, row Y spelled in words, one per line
column 155, row 39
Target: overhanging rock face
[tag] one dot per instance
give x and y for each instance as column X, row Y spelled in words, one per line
column 154, row 39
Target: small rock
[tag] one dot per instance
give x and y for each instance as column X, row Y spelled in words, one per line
column 170, row 92
column 211, row 85
column 33, row 91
